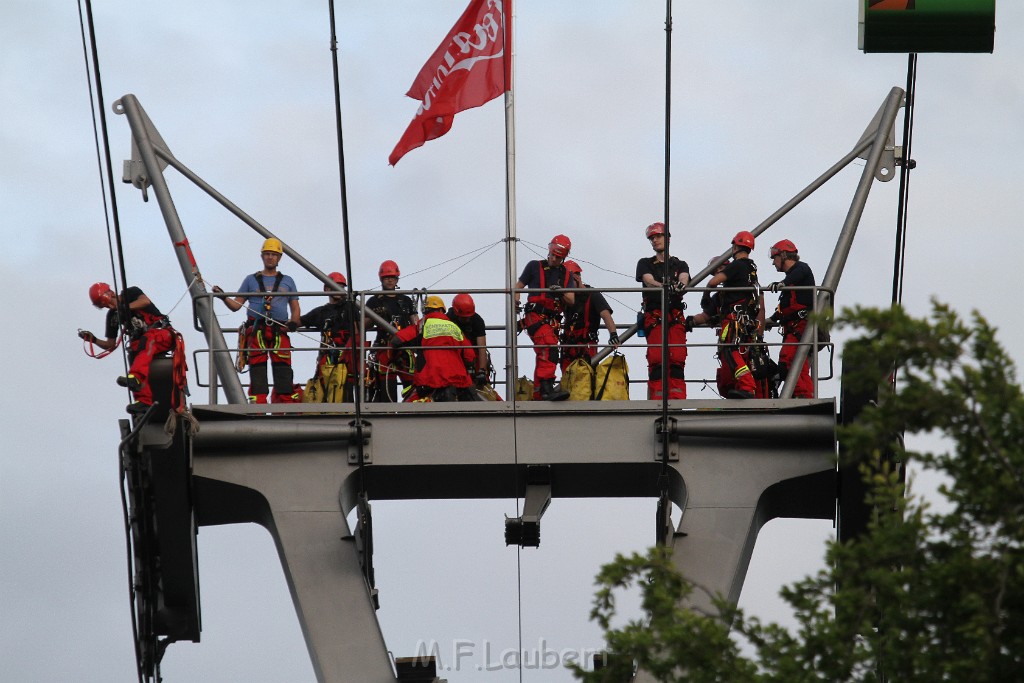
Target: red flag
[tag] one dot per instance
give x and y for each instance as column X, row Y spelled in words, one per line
column 468, row 69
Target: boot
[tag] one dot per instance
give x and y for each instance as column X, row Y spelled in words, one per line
column 739, row 393
column 549, row 393
column 444, row 394
column 131, row 382
column 294, row 397
column 137, row 408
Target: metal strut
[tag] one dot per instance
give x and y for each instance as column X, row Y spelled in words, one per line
column 364, row 546
column 524, row 531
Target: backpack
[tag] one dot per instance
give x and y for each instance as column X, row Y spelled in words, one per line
column 524, row 389
column 327, row 386
column 613, row 379
column 488, row 393
column 578, row 380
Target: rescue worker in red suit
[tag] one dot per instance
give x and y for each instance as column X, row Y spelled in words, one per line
column 794, row 305
column 543, row 314
column 652, row 272
column 442, row 359
column 334, row 320
column 400, row 311
column 740, row 309
column 583, row 320
column 463, row 313
column 272, row 311
column 148, row 331
column 711, row 316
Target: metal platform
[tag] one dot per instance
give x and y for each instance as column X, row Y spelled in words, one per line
column 732, row 466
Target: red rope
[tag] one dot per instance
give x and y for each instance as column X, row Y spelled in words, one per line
column 90, row 350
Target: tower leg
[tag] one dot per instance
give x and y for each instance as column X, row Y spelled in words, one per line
column 331, row 597
column 297, row 500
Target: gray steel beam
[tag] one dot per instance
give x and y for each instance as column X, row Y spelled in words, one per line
column 879, row 134
column 308, row 266
column 294, row 496
column 146, row 140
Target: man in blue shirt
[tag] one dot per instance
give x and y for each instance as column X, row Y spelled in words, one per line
column 271, row 314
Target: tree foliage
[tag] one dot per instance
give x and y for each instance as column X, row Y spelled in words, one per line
column 929, row 593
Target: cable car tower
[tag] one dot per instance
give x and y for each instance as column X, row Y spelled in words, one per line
column 728, row 466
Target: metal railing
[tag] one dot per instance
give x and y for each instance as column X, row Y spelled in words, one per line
column 366, row 349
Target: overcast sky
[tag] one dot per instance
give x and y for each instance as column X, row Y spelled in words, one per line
column 766, row 96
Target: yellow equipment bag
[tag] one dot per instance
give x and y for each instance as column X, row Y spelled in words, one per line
column 578, row 380
column 243, row 356
column 327, row 386
column 313, row 393
column 488, row 393
column 612, row 380
column 524, row 389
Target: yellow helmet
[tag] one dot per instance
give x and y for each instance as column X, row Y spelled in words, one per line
column 434, row 302
column 272, row 244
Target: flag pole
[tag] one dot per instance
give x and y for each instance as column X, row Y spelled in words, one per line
column 511, row 316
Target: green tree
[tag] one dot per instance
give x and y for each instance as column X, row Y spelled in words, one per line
column 926, row 594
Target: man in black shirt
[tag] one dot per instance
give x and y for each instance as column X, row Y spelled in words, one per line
column 794, row 305
column 740, row 307
column 334, row 322
column 463, row 313
column 148, row 331
column 543, row 314
column 652, row 272
column 583, row 320
column 400, row 311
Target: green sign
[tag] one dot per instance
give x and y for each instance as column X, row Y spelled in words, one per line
column 927, row 25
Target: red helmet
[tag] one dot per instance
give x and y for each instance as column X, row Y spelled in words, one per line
column 463, row 305
column 572, row 267
column 744, row 239
column 783, row 246
column 99, row 293
column 338, row 277
column 388, row 269
column 655, row 229
column 560, row 246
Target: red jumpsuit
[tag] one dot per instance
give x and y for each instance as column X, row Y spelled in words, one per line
column 155, row 336
column 142, row 351
column 543, row 318
column 445, row 354
column 739, row 325
column 793, row 305
column 731, row 354
column 792, row 331
column 653, row 328
column 582, row 321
